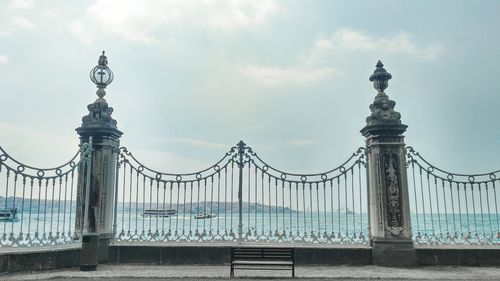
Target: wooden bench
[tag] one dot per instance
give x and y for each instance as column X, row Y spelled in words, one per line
column 252, row 258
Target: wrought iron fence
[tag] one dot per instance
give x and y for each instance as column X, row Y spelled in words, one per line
column 451, row 208
column 37, row 205
column 241, row 198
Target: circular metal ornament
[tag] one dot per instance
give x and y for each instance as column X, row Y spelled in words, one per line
column 101, row 75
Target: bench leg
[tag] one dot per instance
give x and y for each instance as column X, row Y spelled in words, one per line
column 231, row 273
column 293, row 271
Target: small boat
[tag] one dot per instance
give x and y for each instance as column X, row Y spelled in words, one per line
column 9, row 214
column 159, row 213
column 202, row 216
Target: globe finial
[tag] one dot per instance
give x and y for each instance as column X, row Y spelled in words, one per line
column 380, row 77
column 102, row 76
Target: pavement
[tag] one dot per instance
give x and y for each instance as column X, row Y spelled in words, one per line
column 132, row 272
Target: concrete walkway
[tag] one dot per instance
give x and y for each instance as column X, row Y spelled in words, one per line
column 160, row 272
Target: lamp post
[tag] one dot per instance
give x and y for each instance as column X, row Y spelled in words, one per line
column 100, row 127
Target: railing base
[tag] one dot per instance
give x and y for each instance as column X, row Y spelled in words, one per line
column 88, row 267
column 396, row 253
column 103, row 251
column 90, row 252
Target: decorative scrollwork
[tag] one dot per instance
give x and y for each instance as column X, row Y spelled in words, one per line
column 452, row 208
column 415, row 158
column 198, row 196
column 34, row 188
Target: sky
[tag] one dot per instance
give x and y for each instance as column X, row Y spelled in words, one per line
column 290, row 78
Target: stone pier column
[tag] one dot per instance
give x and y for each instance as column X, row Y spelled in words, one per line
column 99, row 125
column 388, row 201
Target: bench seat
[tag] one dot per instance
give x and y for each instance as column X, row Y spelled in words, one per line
column 263, row 263
column 251, row 258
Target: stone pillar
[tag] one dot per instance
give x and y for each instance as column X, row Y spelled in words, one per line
column 99, row 125
column 388, row 201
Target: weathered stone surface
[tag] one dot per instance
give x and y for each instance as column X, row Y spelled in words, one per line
column 459, row 256
column 99, row 116
column 33, row 260
column 388, row 200
column 99, row 126
column 203, row 254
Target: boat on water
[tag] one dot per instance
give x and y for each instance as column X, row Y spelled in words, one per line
column 9, row 214
column 159, row 213
column 201, row 216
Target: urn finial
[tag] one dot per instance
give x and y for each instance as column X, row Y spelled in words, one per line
column 380, row 77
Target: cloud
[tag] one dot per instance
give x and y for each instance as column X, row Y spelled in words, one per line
column 275, row 76
column 29, row 145
column 301, row 142
column 77, row 30
column 351, row 40
column 22, row 23
column 15, row 23
column 22, row 4
column 239, row 14
column 168, row 162
column 139, row 20
column 195, row 143
column 323, row 43
column 4, row 59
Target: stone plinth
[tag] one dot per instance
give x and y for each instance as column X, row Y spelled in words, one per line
column 99, row 125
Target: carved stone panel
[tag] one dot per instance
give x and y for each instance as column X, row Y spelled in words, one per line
column 391, row 175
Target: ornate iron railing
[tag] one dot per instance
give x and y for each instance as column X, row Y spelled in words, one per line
column 37, row 205
column 452, row 208
column 241, row 198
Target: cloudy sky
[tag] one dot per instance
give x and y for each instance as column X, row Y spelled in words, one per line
column 290, row 78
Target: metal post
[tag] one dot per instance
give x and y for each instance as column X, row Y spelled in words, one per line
column 241, row 164
column 115, row 213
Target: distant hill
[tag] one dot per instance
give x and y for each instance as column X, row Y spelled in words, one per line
column 193, row 208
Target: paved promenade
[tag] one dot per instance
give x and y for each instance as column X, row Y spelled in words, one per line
column 203, row 272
